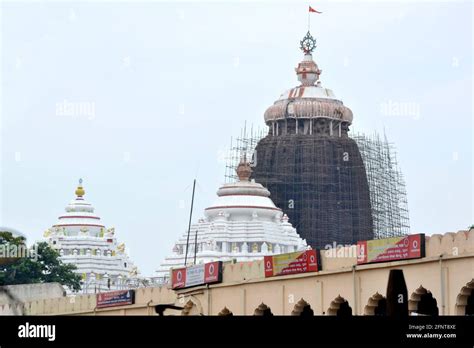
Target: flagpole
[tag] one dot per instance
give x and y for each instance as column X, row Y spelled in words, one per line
column 309, row 26
column 189, row 226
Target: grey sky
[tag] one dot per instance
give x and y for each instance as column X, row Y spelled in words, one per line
column 169, row 83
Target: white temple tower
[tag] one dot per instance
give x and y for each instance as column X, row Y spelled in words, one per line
column 243, row 224
column 81, row 239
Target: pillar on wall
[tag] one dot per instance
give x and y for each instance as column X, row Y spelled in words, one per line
column 283, row 298
column 319, row 305
column 244, row 302
column 356, row 292
column 397, row 294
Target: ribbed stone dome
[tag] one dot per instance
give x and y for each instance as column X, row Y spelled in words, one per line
column 304, row 107
column 309, row 100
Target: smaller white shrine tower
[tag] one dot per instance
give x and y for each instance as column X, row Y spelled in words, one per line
column 243, row 224
column 81, row 239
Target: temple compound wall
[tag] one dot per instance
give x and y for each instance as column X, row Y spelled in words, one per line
column 440, row 283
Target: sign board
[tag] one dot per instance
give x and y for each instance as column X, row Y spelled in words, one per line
column 292, row 263
column 207, row 273
column 115, row 298
column 391, row 249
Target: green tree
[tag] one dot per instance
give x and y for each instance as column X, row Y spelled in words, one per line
column 46, row 267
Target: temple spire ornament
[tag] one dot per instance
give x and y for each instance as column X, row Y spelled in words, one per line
column 80, row 190
column 243, row 170
column 307, row 70
column 308, row 43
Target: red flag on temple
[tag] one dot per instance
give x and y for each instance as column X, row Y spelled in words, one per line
column 313, row 10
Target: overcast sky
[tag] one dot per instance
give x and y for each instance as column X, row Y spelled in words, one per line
column 158, row 89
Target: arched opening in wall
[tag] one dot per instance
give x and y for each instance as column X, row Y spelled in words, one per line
column 263, row 311
column 422, row 302
column 225, row 312
column 190, row 308
column 470, row 305
column 465, row 300
column 339, row 307
column 302, row 309
column 377, row 305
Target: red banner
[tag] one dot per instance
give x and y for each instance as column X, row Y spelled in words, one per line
column 391, row 249
column 178, row 278
column 115, row 298
column 292, row 263
column 208, row 273
column 211, row 272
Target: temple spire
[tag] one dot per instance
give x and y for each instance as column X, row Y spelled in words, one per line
column 308, row 71
column 79, row 190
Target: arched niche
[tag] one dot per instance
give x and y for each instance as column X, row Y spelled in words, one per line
column 263, row 310
column 377, row 305
column 225, row 312
column 422, row 302
column 465, row 300
column 191, row 308
column 302, row 309
column 339, row 307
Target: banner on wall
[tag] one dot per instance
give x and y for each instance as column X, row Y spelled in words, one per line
column 115, row 298
column 391, row 249
column 208, row 273
column 292, row 263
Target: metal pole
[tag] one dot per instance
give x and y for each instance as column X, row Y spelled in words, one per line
column 189, row 225
column 195, row 246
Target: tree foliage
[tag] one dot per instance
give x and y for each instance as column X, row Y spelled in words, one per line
column 46, row 267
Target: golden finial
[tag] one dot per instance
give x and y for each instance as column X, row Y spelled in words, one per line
column 80, row 191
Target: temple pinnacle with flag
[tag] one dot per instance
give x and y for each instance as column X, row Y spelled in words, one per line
column 311, row 166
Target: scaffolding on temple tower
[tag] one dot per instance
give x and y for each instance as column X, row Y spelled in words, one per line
column 243, row 145
column 388, row 197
